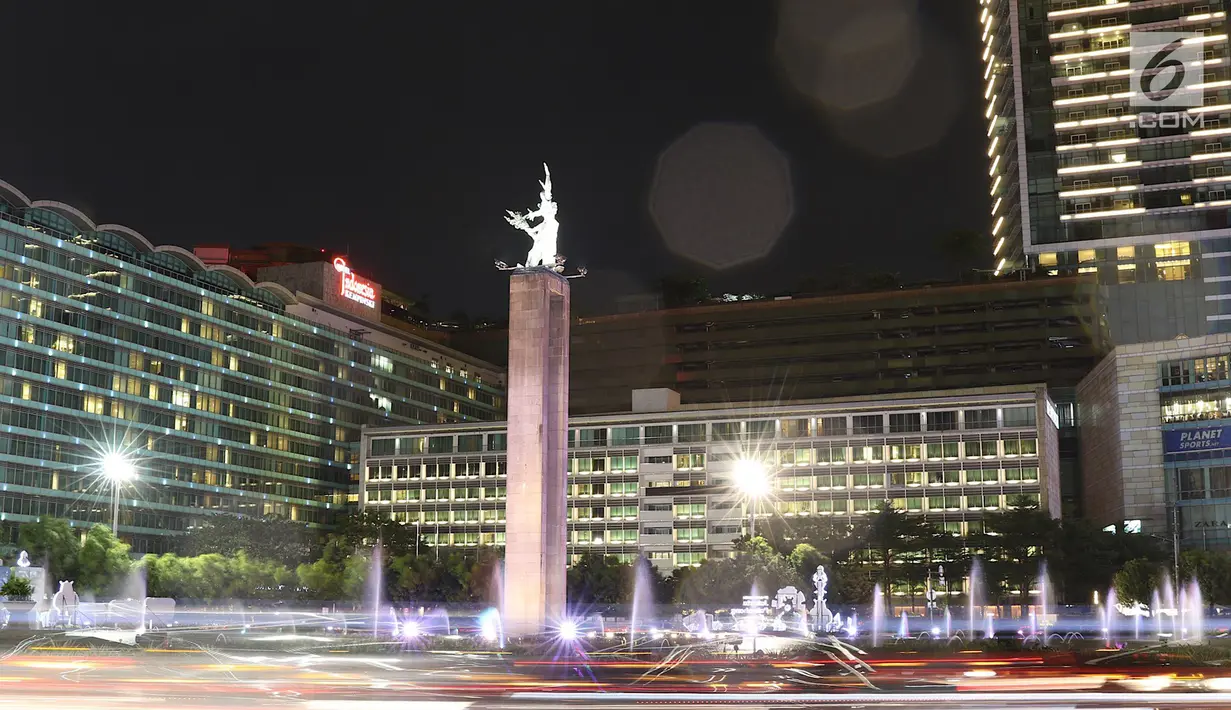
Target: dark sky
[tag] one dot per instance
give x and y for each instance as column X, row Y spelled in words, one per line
column 403, row 130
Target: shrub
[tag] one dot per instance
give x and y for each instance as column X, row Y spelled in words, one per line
column 17, row 589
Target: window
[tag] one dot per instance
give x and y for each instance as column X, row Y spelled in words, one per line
column 980, row 418
column 497, row 442
column 1048, row 259
column 868, row 480
column 689, row 510
column 1126, row 273
column 981, row 449
column 794, row 428
column 795, row 457
column 1085, row 255
column 832, row 481
column 1021, row 447
column 905, row 423
column 440, row 444
column 1174, row 270
column 624, row 464
column 868, row 424
column 1018, row 417
column 410, row 445
column 944, row 478
column 905, row 452
column 1026, row 474
column 658, row 435
column 592, row 438
column 830, row 455
column 689, row 462
column 943, row 450
column 690, row 433
column 470, row 443
column 831, row 426
column 909, row 478
column 726, row 431
column 1170, row 249
column 982, row 476
column 760, row 429
column 943, row 421
column 868, row 454
column 690, row 535
column 381, row 447
column 983, row 501
column 689, row 559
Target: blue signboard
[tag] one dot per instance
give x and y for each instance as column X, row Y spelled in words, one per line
column 1178, row 441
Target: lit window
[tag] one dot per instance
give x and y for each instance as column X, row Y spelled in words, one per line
column 1176, row 270
column 1124, row 252
column 1126, row 273
column 1169, row 249
column 1048, row 259
column 1085, row 255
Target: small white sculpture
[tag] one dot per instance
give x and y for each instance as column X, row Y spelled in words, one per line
column 543, row 253
column 64, row 603
column 23, row 559
column 41, row 611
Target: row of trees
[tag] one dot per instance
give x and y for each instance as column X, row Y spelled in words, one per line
column 254, row 558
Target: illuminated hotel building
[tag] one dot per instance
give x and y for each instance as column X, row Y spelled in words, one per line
column 657, row 481
column 1079, row 182
column 232, row 396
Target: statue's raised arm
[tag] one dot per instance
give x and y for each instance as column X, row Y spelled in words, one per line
column 543, row 252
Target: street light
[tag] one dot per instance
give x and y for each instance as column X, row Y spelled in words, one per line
column 752, row 480
column 118, row 469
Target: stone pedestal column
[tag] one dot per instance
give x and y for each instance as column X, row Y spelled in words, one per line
column 535, row 532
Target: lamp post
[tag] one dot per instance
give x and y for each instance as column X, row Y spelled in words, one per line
column 118, row 469
column 752, row 480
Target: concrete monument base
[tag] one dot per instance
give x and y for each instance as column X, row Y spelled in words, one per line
column 535, row 533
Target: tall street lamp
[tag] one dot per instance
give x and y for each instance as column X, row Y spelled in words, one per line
column 118, row 469
column 752, row 480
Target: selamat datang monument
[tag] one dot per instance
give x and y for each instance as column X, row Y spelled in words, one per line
column 535, row 533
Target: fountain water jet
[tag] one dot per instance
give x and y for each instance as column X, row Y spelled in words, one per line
column 1156, row 610
column 903, row 627
column 643, row 601
column 972, row 598
column 878, row 613
column 989, row 626
column 1196, row 613
column 1109, row 616
column 1044, row 597
column 374, row 582
column 948, row 624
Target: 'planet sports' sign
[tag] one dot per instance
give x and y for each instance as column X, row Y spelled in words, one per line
column 1177, row 441
column 353, row 287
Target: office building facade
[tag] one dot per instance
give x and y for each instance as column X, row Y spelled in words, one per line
column 1085, row 178
column 230, row 396
column 657, row 481
column 1156, row 440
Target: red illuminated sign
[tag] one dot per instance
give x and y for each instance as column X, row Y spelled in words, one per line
column 353, row 287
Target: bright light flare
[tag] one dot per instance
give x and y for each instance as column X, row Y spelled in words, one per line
column 751, row 478
column 568, row 631
column 411, row 629
column 115, row 466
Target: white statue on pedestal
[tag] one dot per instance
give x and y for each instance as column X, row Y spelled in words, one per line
column 543, row 253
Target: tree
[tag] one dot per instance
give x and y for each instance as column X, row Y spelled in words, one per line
column 894, row 535
column 17, row 589
column 102, row 562
column 1018, row 540
column 338, row 575
column 599, row 579
column 850, row 584
column 370, row 528
column 1137, row 581
column 1212, row 570
column 726, row 580
column 273, row 538
column 53, row 543
column 804, row 559
column 1085, row 558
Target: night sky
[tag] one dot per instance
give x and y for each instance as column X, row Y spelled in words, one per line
column 402, row 131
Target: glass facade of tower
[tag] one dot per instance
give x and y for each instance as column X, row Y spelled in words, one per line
column 661, row 484
column 1083, row 180
column 226, row 402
